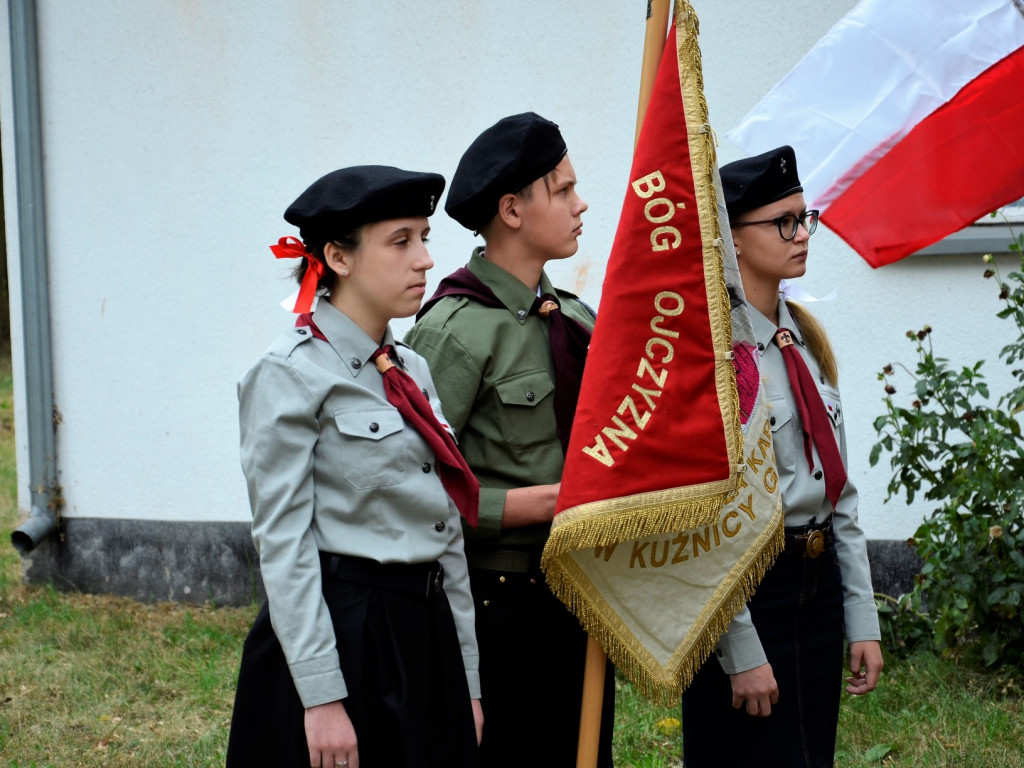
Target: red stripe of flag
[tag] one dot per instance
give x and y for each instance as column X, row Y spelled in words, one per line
column 964, row 160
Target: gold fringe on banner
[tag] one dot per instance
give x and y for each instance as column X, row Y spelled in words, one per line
column 633, row 517
column 664, row 684
column 703, row 161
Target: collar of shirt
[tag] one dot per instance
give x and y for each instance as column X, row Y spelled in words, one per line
column 347, row 339
column 510, row 290
column 764, row 329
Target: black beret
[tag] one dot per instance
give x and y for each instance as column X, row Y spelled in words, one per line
column 345, row 199
column 756, row 181
column 511, row 154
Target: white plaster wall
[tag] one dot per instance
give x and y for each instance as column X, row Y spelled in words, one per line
column 177, row 132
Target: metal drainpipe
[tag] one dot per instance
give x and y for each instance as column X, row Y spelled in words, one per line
column 35, row 299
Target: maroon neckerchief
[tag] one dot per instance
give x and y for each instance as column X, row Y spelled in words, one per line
column 305, row 320
column 456, row 476
column 817, row 426
column 401, row 391
column 569, row 340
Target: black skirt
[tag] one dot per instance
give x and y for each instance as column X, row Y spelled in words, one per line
column 407, row 693
column 798, row 612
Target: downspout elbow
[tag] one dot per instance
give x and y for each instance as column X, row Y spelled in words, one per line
column 36, row 527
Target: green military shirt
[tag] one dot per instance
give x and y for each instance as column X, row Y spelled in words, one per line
column 495, row 375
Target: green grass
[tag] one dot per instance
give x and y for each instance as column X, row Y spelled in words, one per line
column 91, row 680
column 926, row 713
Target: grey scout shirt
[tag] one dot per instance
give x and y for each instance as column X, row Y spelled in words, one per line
column 331, row 465
column 803, row 497
column 496, row 376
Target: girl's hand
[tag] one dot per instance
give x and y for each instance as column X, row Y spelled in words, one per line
column 331, row 737
column 756, row 690
column 478, row 720
column 866, row 665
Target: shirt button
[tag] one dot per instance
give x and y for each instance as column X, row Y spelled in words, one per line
column 486, row 603
column 439, row 526
column 530, row 397
column 357, row 363
column 533, row 581
column 425, row 467
column 501, row 579
column 760, row 347
column 817, row 475
column 719, row 652
column 521, row 314
column 772, row 421
column 374, row 426
column 301, row 331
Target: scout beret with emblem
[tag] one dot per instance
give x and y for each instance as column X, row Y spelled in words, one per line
column 511, row 154
column 755, row 181
column 350, row 197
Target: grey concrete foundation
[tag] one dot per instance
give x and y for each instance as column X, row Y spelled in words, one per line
column 152, row 561
column 894, row 566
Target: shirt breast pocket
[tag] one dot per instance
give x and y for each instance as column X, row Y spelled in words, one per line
column 833, row 407
column 373, row 446
column 524, row 420
column 787, row 436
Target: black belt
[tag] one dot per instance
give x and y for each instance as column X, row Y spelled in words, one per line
column 809, row 540
column 425, row 579
column 507, row 560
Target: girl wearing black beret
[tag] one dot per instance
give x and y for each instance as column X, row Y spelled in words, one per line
column 364, row 653
column 770, row 694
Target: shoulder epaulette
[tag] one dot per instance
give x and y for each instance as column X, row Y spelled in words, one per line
column 444, row 309
column 284, row 344
column 570, row 295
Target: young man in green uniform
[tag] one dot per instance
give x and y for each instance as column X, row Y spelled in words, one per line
column 506, row 351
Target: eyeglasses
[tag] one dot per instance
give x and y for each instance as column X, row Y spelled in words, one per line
column 789, row 224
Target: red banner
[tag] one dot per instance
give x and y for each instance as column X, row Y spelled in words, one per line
column 657, row 409
column 669, row 512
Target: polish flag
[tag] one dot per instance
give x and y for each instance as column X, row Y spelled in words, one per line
column 907, row 119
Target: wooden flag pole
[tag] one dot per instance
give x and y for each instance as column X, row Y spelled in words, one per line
column 597, row 661
column 654, row 44
column 590, row 710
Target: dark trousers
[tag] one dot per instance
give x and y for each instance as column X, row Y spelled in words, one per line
column 798, row 613
column 532, row 657
column 407, row 693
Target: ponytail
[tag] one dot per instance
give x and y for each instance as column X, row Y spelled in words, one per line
column 816, row 340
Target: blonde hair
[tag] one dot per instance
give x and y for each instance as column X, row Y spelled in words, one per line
column 817, row 341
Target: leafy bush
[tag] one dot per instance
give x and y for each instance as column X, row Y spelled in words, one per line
column 952, row 448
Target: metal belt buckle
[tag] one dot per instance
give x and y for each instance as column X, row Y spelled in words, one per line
column 815, row 543
column 435, row 581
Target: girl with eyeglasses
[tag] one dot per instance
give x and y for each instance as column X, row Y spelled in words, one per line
column 770, row 694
